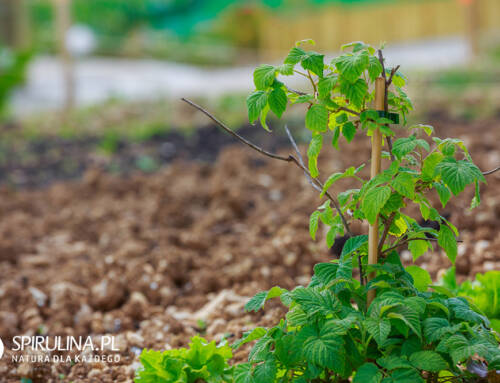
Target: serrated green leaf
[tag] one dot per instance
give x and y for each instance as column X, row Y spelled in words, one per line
column 404, row 184
column 348, row 131
column 255, row 104
column 443, row 192
column 317, row 118
column 374, row 68
column 313, row 62
column 458, row 174
column 447, row 240
column 429, row 165
column 353, row 244
column 368, row 373
column 335, row 138
column 326, row 272
column 352, row 65
column 243, row 373
column 355, row 92
column 418, row 248
column 379, row 328
column 266, row 371
column 313, row 224
column 250, row 336
column 296, row 54
column 373, row 202
column 320, row 347
column 403, row 146
column 313, row 153
column 325, row 86
column 264, row 76
column 277, row 101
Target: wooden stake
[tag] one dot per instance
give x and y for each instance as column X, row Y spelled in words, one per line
column 375, row 169
column 63, row 23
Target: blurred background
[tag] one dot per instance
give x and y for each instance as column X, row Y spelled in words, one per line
column 114, row 70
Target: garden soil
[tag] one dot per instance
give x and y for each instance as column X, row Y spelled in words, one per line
column 155, row 259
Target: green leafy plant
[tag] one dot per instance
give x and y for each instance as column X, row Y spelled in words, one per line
column 483, row 292
column 202, row 362
column 334, row 331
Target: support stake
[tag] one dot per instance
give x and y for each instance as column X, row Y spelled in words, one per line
column 375, row 169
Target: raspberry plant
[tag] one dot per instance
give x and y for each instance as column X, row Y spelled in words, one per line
column 334, row 332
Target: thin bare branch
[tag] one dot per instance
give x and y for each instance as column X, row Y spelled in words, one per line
column 491, row 171
column 296, row 91
column 393, row 72
column 236, row 135
column 317, row 184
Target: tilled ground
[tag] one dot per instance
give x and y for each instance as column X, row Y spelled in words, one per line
column 156, row 259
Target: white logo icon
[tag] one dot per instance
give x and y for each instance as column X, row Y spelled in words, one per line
column 1, row 348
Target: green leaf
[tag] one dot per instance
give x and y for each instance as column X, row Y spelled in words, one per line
column 443, row 192
column 421, row 277
column 368, row 373
column 335, row 138
column 403, row 146
column 313, row 224
column 458, row 174
column 436, row 328
column 259, row 299
column 266, row 372
column 348, row 131
column 277, row 101
column 409, row 316
column 379, row 328
column 321, row 347
column 285, row 69
column 353, row 244
column 317, row 118
column 263, row 116
column 418, row 248
column 351, row 66
column 264, row 76
column 243, row 373
column 447, row 240
column 325, row 86
column 255, row 104
column 404, row 184
column 355, row 92
column 250, row 336
column 296, row 54
column 313, row 153
column 373, row 202
column 314, row 62
column 429, row 166
column 313, row 301
column 374, row 68
column 326, row 272
column 405, row 376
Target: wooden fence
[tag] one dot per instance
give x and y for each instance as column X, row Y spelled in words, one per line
column 402, row 20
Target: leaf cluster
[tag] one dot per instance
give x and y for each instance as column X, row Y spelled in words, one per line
column 202, row 362
column 329, row 335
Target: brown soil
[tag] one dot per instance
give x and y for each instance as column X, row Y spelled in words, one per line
column 145, row 258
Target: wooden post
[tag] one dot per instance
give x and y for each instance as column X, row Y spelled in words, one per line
column 375, row 169
column 63, row 23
